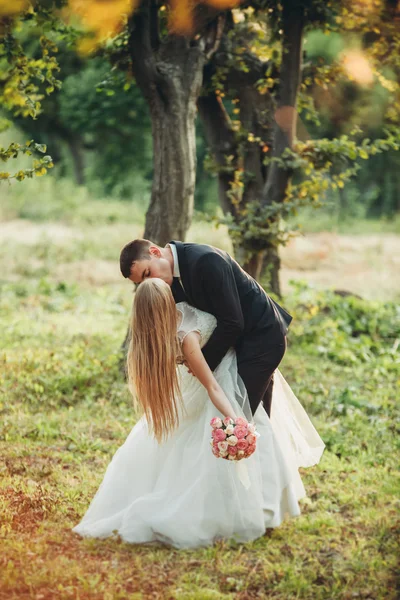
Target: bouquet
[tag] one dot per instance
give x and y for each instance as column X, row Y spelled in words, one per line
column 233, row 439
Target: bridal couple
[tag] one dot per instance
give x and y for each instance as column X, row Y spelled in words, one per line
column 206, row 341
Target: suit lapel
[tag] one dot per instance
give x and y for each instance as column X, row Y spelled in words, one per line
column 178, row 291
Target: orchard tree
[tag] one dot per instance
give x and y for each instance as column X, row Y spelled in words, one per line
column 165, row 45
column 267, row 168
column 257, row 85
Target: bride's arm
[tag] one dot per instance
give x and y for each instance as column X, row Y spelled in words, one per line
column 199, row 367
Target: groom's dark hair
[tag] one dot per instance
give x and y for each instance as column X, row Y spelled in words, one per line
column 136, row 250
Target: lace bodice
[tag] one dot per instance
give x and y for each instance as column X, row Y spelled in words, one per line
column 194, row 319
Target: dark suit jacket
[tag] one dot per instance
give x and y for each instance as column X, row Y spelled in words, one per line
column 215, row 283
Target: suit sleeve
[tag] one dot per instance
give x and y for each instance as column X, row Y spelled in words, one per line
column 215, row 276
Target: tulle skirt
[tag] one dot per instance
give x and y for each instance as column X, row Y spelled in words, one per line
column 180, row 494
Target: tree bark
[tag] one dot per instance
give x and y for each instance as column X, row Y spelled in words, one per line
column 253, row 110
column 230, row 155
column 223, row 144
column 285, row 116
column 174, row 144
column 76, row 150
column 170, row 75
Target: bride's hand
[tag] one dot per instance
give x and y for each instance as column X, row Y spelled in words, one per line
column 185, row 362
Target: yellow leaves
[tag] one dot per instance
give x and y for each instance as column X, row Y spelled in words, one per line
column 181, row 15
column 41, row 172
column 103, row 18
column 12, row 7
column 223, row 4
column 388, row 84
column 180, row 18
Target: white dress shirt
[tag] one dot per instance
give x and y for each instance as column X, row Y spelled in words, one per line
column 177, row 272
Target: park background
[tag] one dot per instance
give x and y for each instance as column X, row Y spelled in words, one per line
column 307, row 200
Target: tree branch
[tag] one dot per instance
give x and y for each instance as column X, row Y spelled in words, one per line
column 154, row 29
column 141, row 32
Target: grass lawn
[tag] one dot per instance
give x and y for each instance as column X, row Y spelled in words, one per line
column 65, row 410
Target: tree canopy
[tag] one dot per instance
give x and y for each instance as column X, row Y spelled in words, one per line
column 294, row 96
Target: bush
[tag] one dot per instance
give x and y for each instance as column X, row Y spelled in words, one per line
column 347, row 330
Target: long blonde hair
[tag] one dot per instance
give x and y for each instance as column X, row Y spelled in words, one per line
column 152, row 356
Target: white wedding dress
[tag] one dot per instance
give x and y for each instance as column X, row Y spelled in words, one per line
column 179, row 493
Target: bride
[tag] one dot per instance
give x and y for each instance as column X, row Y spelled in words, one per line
column 164, row 484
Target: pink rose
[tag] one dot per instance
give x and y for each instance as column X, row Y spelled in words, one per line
column 242, row 444
column 241, row 422
column 219, row 435
column 250, row 450
column 232, row 440
column 232, row 450
column 215, row 451
column 227, row 421
column 216, row 422
column 251, row 438
column 223, row 446
column 240, row 432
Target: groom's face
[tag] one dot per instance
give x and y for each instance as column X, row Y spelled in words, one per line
column 155, row 266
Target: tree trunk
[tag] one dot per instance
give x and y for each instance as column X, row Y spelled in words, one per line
column 174, row 146
column 253, row 107
column 270, row 269
column 76, row 150
column 223, row 144
column 285, row 115
column 170, row 75
column 231, row 155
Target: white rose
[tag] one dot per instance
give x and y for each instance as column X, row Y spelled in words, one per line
column 231, row 457
column 251, row 428
column 223, row 453
column 229, row 430
column 232, row 440
column 240, row 453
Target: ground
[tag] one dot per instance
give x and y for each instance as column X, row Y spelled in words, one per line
column 65, row 410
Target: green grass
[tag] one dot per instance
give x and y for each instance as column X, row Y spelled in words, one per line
column 61, row 200
column 65, row 410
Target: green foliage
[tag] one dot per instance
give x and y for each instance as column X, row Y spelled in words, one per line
column 39, row 166
column 24, row 82
column 347, row 330
column 108, row 112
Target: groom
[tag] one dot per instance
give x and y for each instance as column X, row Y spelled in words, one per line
column 209, row 279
